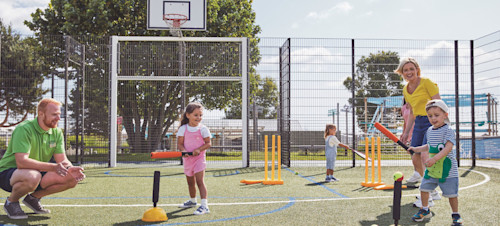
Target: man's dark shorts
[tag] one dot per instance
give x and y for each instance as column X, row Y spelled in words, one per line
column 5, row 179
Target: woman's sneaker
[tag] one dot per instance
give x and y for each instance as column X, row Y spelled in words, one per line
column 201, row 210
column 457, row 220
column 435, row 195
column 421, row 215
column 418, row 203
column 415, row 178
column 187, row 204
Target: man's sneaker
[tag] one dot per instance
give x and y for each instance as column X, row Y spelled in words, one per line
column 14, row 210
column 415, row 178
column 201, row 210
column 435, row 195
column 418, row 203
column 421, row 215
column 34, row 204
column 457, row 220
column 328, row 179
column 333, row 178
column 187, row 204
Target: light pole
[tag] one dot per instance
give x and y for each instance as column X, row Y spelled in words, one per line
column 347, row 109
column 331, row 112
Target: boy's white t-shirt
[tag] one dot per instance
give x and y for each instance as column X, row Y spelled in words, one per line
column 333, row 141
column 205, row 132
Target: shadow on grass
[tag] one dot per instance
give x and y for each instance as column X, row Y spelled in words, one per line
column 5, row 220
column 324, row 173
column 230, row 172
column 466, row 173
column 171, row 215
column 406, row 212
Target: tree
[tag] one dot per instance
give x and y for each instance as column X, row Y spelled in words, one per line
column 264, row 93
column 21, row 77
column 375, row 77
column 146, row 122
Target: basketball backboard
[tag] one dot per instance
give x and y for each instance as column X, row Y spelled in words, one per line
column 195, row 12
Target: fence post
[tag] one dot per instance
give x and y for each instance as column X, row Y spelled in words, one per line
column 473, row 138
column 353, row 63
column 457, row 107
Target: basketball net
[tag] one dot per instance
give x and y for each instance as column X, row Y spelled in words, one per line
column 174, row 21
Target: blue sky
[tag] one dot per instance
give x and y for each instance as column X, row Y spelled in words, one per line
column 384, row 19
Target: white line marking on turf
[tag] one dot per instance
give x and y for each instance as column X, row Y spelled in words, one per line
column 486, row 179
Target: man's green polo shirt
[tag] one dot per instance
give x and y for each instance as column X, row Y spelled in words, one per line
column 29, row 137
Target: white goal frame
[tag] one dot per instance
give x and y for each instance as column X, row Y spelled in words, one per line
column 115, row 79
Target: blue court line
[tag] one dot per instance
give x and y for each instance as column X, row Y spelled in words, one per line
column 292, row 201
column 320, row 184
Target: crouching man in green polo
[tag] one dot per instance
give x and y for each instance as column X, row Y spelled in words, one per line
column 26, row 170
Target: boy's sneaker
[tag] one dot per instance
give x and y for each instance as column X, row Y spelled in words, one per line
column 435, row 195
column 328, row 179
column 421, row 215
column 187, row 204
column 14, row 211
column 34, row 204
column 418, row 203
column 333, row 178
column 457, row 220
column 415, row 178
column 201, row 210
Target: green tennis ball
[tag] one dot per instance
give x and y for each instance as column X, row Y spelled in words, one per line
column 398, row 176
column 296, row 173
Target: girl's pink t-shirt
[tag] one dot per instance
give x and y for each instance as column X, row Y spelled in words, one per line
column 405, row 111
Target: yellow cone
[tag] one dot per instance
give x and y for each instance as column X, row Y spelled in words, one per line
column 154, row 214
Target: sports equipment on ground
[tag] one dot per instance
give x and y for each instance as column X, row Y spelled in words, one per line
column 155, row 214
column 266, row 180
column 372, row 183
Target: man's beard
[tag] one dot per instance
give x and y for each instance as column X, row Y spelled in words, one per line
column 50, row 124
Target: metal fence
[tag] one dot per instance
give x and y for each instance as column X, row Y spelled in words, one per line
column 321, row 72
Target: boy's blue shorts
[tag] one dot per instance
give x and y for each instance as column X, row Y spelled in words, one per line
column 449, row 187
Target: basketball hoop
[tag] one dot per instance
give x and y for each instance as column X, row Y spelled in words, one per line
column 174, row 21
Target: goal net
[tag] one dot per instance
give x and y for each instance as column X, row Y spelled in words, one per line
column 154, row 78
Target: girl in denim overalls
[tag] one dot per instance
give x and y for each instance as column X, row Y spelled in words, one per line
column 331, row 143
column 194, row 137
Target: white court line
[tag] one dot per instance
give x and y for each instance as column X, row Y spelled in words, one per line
column 486, row 179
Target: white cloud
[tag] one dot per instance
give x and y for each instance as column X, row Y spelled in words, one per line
column 369, row 13
column 406, row 10
column 295, row 25
column 342, row 7
column 15, row 12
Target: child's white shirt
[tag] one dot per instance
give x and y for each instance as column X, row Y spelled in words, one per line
column 333, row 141
column 205, row 132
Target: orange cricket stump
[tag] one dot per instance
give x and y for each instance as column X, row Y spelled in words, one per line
column 372, row 183
column 273, row 180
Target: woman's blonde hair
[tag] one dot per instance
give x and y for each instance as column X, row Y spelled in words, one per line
column 328, row 127
column 403, row 62
column 42, row 105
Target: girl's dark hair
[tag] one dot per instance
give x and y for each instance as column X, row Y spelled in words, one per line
column 189, row 109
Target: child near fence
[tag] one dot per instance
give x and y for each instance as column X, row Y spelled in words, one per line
column 331, row 143
column 194, row 137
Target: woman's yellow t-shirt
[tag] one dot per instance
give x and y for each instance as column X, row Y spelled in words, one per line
column 419, row 98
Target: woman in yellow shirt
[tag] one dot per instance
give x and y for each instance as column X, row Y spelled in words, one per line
column 416, row 92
